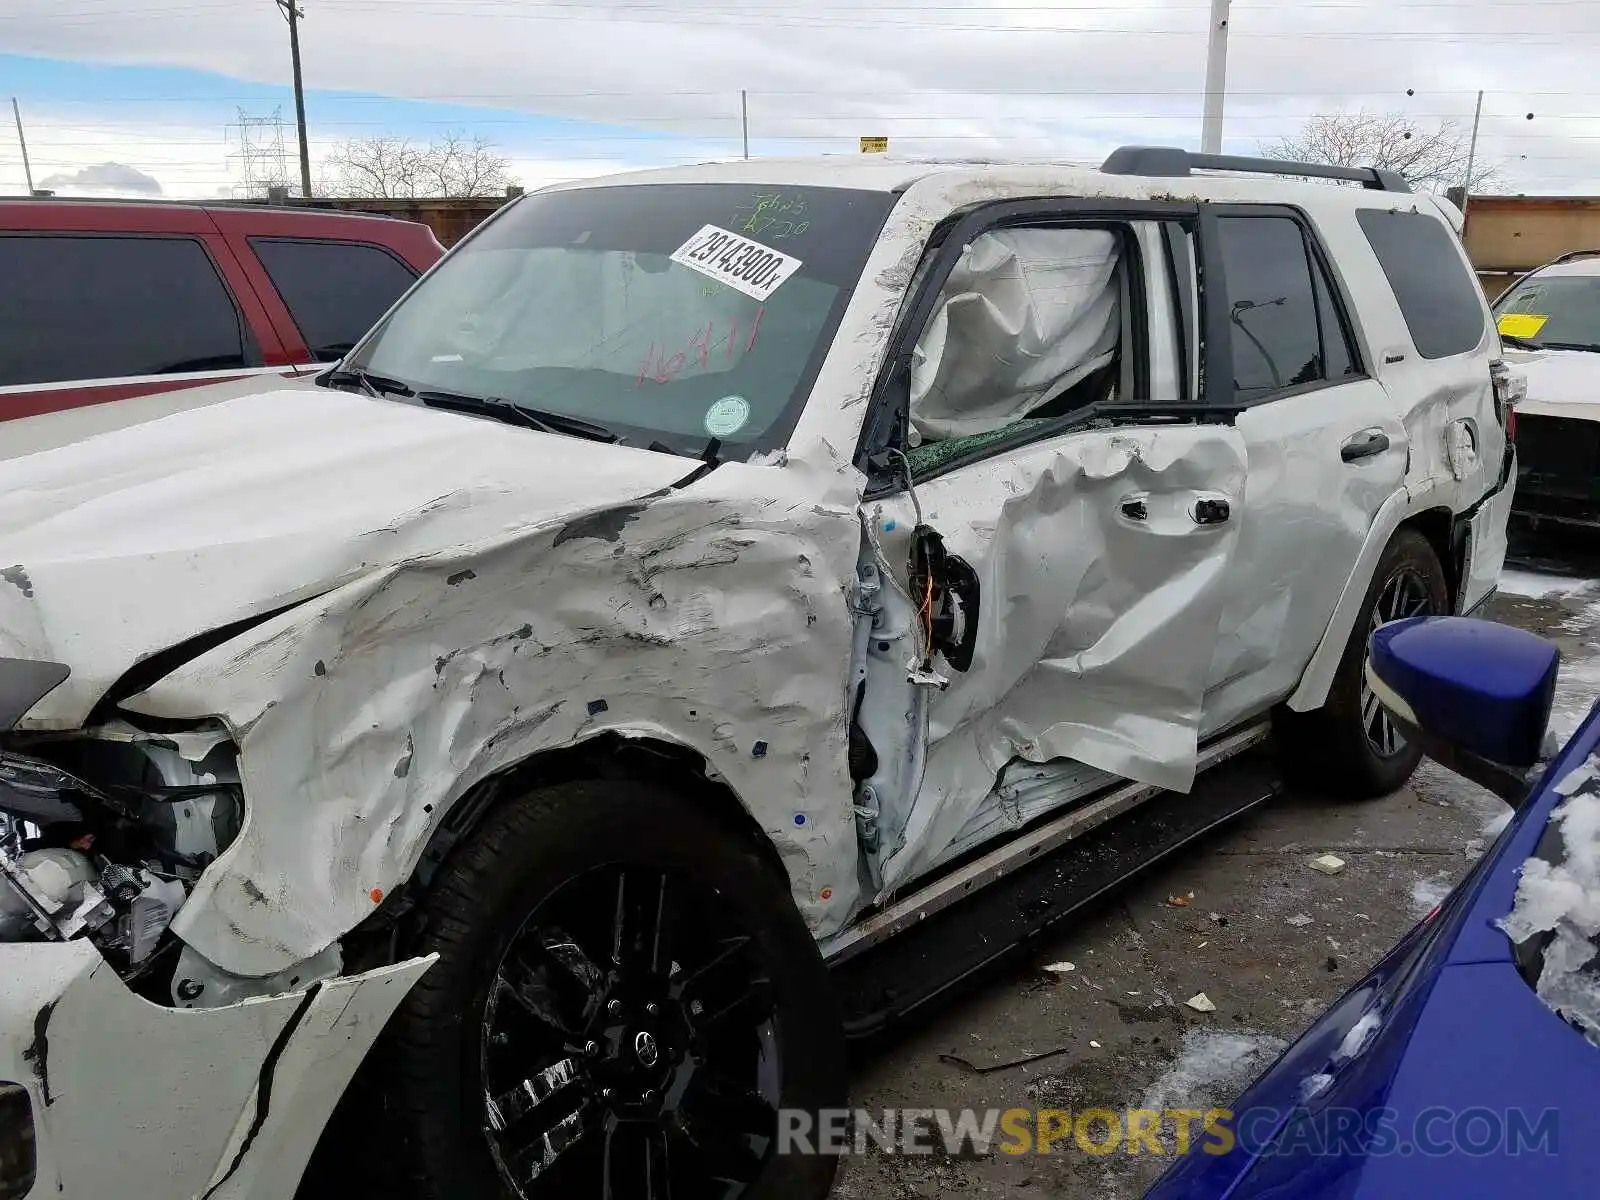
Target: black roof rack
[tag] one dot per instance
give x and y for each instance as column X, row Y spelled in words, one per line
column 1570, row 255
column 1169, row 162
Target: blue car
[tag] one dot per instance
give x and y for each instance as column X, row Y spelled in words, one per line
column 1468, row 1062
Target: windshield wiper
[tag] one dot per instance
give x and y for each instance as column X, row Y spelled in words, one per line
column 372, row 385
column 513, row 413
column 710, row 460
column 1522, row 343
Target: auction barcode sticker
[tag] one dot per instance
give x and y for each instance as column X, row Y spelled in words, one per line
column 737, row 261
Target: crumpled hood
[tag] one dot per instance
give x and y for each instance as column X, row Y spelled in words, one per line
column 122, row 545
column 1561, row 383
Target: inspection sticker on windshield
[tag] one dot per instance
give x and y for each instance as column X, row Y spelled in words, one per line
column 727, row 416
column 737, row 261
column 1521, row 325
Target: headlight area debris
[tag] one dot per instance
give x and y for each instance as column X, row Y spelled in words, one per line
column 103, row 833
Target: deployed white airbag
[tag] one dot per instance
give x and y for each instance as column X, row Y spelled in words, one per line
column 1025, row 314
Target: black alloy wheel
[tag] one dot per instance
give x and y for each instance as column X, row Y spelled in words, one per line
column 630, row 1047
column 1349, row 748
column 626, row 1005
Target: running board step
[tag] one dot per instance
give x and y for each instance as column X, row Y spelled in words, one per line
column 881, row 985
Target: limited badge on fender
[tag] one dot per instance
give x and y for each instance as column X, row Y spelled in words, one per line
column 735, row 260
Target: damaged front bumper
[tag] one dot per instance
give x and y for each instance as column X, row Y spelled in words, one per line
column 1559, row 479
column 129, row 1099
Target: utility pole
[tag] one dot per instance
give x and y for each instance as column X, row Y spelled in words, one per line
column 1216, row 79
column 22, row 140
column 293, row 14
column 1472, row 154
column 744, row 119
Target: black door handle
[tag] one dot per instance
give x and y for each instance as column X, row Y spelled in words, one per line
column 1364, row 445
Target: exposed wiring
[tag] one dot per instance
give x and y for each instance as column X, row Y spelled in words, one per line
column 911, row 487
column 926, row 616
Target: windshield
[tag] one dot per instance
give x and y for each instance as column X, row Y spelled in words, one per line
column 1555, row 311
column 668, row 313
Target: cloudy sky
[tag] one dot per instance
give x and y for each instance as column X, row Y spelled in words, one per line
column 134, row 95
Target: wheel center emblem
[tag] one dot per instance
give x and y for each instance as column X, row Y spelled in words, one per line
column 645, row 1049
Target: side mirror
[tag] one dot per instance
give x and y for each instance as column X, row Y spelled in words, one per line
column 1474, row 695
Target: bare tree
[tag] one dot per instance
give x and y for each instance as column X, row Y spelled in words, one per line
column 399, row 168
column 458, row 165
column 1433, row 159
column 383, row 167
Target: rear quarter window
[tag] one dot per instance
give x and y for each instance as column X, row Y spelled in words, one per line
column 1438, row 297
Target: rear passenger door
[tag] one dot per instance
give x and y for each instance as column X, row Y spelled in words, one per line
column 334, row 291
column 1326, row 448
column 88, row 317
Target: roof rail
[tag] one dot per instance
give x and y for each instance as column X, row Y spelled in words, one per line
column 1570, row 255
column 201, row 203
column 1165, row 162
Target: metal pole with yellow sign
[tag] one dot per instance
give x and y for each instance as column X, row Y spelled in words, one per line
column 874, row 145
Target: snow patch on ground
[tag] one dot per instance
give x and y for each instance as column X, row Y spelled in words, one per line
column 1211, row 1068
column 1496, row 826
column 1576, row 686
column 1428, row 894
column 1583, row 620
column 1564, row 899
column 1531, row 585
column 1438, row 785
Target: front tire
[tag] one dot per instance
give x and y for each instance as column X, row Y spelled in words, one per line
column 625, row 997
column 1349, row 748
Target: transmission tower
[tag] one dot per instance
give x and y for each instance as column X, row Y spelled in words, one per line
column 262, row 158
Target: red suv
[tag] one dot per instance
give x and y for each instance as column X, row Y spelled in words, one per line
column 105, row 300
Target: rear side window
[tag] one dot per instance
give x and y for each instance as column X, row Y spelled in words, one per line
column 89, row 307
column 1286, row 327
column 1438, row 298
column 335, row 291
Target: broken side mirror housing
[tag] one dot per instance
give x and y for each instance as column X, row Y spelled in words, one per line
column 1474, row 695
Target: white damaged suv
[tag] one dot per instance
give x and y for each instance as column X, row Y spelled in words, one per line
column 697, row 580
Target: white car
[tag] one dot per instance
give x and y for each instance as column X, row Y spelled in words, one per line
column 1550, row 322
column 698, row 579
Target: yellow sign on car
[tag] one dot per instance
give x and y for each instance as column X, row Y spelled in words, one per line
column 1521, row 325
column 874, row 145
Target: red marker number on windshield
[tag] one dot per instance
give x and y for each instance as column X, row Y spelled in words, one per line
column 663, row 364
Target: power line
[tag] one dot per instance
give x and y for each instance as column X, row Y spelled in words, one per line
column 656, row 95
column 856, row 19
column 851, row 93
column 1113, row 117
column 467, row 7
column 842, row 136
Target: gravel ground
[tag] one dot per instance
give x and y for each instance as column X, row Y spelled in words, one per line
column 1285, row 941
